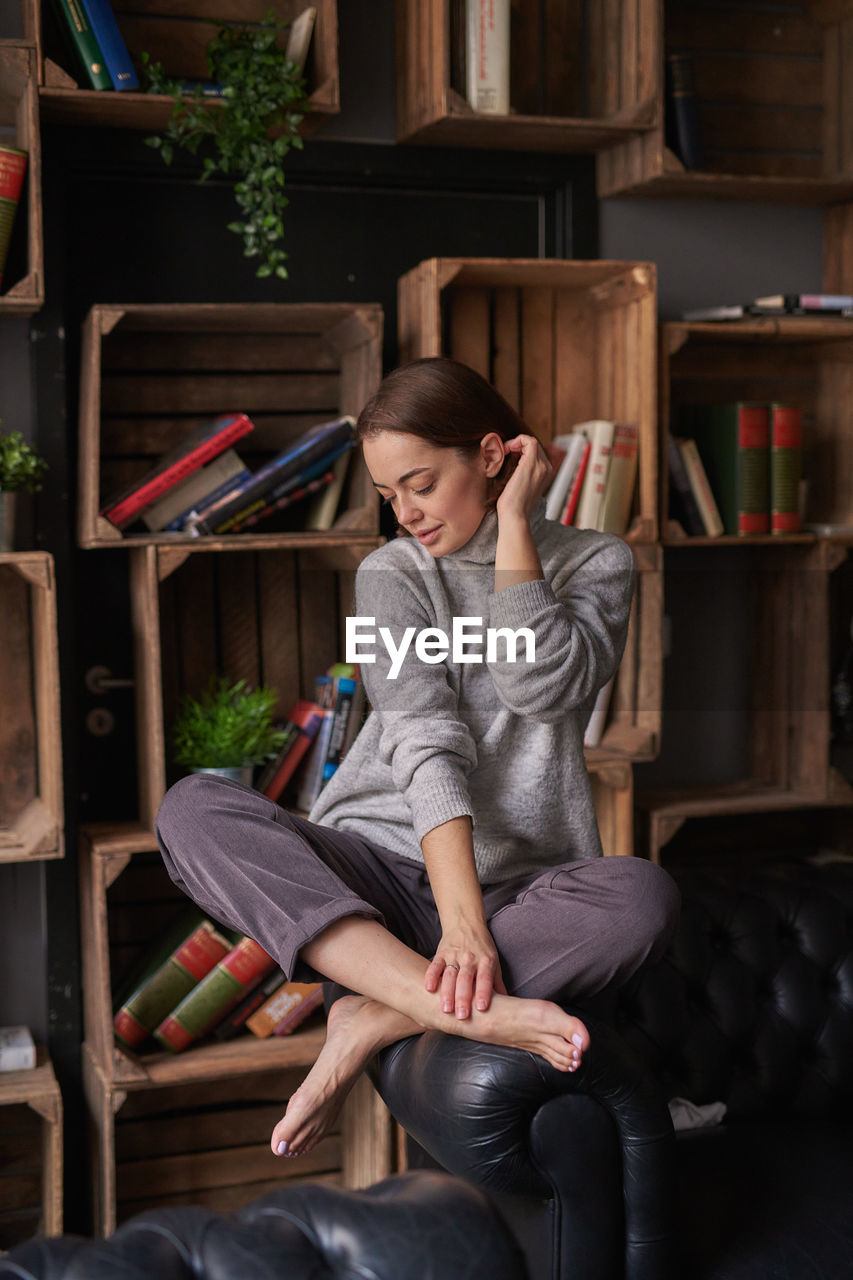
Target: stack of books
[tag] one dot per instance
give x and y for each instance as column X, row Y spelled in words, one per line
column 203, row 486
column 777, row 304
column 319, row 734
column 595, row 476
column 736, row 469
column 200, row 979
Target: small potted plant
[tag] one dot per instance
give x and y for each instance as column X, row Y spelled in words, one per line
column 21, row 470
column 228, row 730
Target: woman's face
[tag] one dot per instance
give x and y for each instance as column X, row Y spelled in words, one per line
column 437, row 495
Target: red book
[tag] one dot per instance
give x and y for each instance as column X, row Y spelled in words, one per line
column 199, row 447
column 786, row 460
column 244, row 967
column 306, row 717
column 13, row 165
column 575, row 492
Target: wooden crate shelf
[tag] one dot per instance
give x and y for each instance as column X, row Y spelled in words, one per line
column 31, row 804
column 582, row 77
column 22, row 290
column 35, row 1091
column 150, row 374
column 772, row 107
column 177, row 35
column 562, row 341
column 713, row 821
column 805, row 361
column 270, row 616
column 123, row 888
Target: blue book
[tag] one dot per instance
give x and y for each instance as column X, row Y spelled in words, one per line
column 319, row 442
column 111, row 43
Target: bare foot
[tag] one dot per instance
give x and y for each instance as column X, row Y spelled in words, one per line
column 539, row 1026
column 357, row 1028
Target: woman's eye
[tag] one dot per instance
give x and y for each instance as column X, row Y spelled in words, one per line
column 421, row 493
column 386, row 502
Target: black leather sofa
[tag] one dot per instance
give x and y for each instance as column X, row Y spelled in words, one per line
column 752, row 1006
column 418, row 1226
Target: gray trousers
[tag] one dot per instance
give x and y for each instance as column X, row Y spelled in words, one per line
column 570, row 932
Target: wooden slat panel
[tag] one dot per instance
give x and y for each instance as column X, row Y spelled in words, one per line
column 469, row 328
column 769, row 30
column 149, row 437
column 506, row 360
column 278, row 627
column 574, row 360
column 525, row 64
column 214, row 351
column 227, row 1199
column 267, row 1087
column 318, row 626
column 197, row 623
column 748, row 127
column 17, row 723
column 237, row 1166
column 213, row 393
column 238, row 618
column 537, row 356
column 791, row 82
column 565, row 58
column 173, row 1134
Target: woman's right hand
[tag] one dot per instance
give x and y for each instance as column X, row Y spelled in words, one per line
column 465, row 970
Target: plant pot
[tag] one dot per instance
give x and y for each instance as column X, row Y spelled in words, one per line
column 237, row 773
column 7, row 520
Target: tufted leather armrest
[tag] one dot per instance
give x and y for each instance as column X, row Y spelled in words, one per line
column 417, row 1226
column 753, row 1002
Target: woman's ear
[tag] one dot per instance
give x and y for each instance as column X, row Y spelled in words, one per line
column 492, row 453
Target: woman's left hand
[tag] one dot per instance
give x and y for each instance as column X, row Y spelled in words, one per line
column 527, row 483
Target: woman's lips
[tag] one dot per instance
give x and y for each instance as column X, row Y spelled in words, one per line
column 428, row 536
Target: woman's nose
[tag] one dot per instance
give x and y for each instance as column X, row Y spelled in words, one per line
column 408, row 511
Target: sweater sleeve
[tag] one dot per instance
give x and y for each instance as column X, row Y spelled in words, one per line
column 579, row 622
column 429, row 749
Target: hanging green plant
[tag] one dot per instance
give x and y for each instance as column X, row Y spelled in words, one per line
column 252, row 127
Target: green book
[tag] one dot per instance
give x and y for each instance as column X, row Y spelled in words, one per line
column 167, row 972
column 245, row 965
column 80, row 39
column 733, row 440
column 786, row 467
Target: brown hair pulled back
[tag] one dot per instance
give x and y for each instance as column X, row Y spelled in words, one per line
column 441, row 401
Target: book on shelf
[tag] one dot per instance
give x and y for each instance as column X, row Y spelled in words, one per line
column 235, row 1021
column 786, row 467
column 302, row 726
column 296, row 460
column 804, row 303
column 244, row 966
column 351, row 671
column 311, row 771
column 168, row 971
column 13, row 166
column 618, row 498
column 198, row 447
column 105, row 29
column 215, row 478
column 697, row 478
column 572, row 447
column 324, row 505
column 283, row 1011
column 299, row 37
column 594, row 731
column 733, row 439
column 599, row 432
column 487, row 55
column 682, row 502
column 344, row 688
column 317, row 477
column 683, row 134
column 17, row 1049
column 77, row 35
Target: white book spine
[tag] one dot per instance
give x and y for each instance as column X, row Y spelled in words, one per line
column 599, row 432
column 487, row 55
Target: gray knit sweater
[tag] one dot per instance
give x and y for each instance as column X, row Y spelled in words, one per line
column 500, row 741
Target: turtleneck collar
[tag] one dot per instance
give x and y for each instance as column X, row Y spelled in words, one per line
column 480, row 549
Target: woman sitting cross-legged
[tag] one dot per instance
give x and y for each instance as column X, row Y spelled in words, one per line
column 451, row 872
